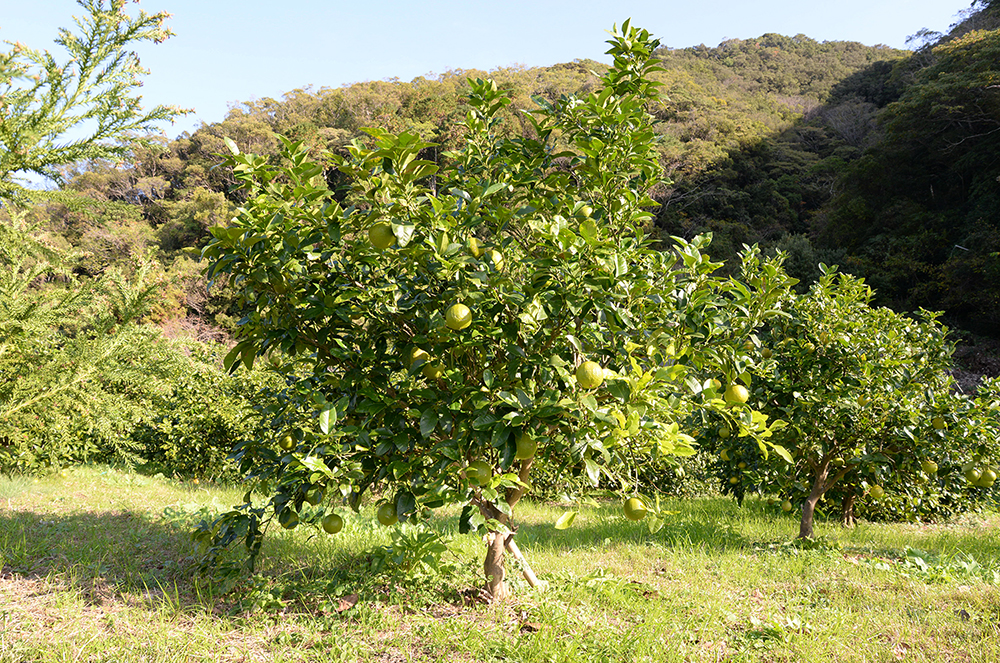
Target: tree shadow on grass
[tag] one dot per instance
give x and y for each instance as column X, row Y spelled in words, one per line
column 696, row 523
column 122, row 555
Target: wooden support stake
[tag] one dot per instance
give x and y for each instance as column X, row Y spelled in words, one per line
column 526, row 571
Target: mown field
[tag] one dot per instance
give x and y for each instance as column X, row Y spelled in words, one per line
column 97, row 565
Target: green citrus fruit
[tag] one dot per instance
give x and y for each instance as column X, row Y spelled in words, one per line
column 590, row 375
column 526, row 446
column 716, row 384
column 742, row 465
column 387, row 514
column 634, row 509
column 287, row 442
column 496, row 258
column 736, row 393
column 973, row 474
column 724, row 432
column 332, row 523
column 929, row 466
column 733, row 480
column 938, row 423
column 479, row 472
column 474, row 247
column 458, row 317
column 418, row 354
column 766, row 353
column 786, row 506
column 381, row 236
column 724, row 455
column 876, row 492
column 433, row 371
column 288, row 519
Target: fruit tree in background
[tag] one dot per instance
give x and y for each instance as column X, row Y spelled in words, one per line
column 443, row 325
column 867, row 396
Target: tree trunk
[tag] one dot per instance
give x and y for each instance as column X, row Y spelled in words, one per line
column 493, row 567
column 497, row 542
column 809, row 506
column 847, row 511
column 808, row 510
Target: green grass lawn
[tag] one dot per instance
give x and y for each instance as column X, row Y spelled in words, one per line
column 97, row 566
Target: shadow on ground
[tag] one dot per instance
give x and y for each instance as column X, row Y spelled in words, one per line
column 122, row 554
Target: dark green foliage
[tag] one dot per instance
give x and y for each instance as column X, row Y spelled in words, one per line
column 918, row 212
column 206, row 414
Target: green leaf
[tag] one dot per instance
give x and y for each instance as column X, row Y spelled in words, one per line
column 509, row 452
column 327, row 416
column 493, row 188
column 231, row 145
column 500, row 436
column 590, row 231
column 316, row 464
column 428, row 422
column 783, row 452
column 230, row 359
column 566, row 520
column 593, row 471
column 406, row 503
column 403, row 233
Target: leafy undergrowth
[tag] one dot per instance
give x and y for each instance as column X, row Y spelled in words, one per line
column 97, row 566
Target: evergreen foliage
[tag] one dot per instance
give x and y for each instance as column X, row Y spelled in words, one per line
column 44, row 102
column 77, row 366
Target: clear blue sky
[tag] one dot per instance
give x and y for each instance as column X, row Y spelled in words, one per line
column 227, row 51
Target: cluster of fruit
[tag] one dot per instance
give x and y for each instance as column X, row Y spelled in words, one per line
column 979, row 474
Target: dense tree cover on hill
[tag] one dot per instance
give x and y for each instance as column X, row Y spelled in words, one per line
column 717, row 101
column 882, row 161
column 918, row 212
column 894, row 177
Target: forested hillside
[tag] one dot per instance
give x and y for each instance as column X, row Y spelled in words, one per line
column 895, row 176
column 880, row 160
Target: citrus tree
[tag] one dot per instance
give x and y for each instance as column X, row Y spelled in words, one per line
column 442, row 325
column 865, row 393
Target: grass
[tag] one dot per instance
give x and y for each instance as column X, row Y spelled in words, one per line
column 97, row 566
